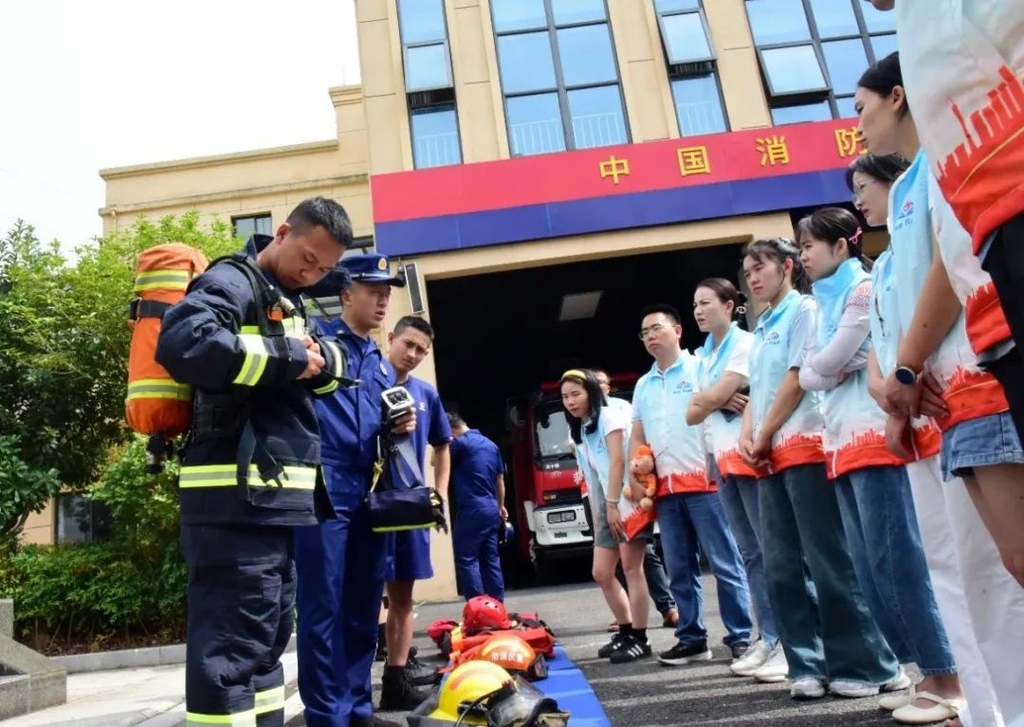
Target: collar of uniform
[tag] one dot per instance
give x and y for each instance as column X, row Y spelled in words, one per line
column 771, row 314
column 343, row 330
column 655, row 371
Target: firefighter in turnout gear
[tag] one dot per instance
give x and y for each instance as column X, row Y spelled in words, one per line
column 251, row 465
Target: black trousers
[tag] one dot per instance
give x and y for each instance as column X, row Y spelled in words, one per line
column 241, row 598
column 1005, row 263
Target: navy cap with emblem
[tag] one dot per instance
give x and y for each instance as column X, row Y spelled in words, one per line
column 370, row 269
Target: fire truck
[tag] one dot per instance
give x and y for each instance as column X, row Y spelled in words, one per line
column 551, row 523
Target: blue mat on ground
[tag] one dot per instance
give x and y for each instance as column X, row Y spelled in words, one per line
column 567, row 685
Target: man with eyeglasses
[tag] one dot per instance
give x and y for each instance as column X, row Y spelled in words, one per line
column 654, row 566
column 689, row 511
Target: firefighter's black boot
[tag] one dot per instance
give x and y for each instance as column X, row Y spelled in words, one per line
column 398, row 694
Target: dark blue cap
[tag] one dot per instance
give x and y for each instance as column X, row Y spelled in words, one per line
column 370, row 269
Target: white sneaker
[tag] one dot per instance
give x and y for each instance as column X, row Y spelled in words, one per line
column 775, row 668
column 752, row 660
column 807, row 688
column 852, row 690
column 898, row 683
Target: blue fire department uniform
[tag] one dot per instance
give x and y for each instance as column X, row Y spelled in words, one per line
column 341, row 562
column 249, row 475
column 476, row 464
column 409, row 550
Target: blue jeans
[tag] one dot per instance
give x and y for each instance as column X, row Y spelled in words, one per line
column 825, row 627
column 689, row 519
column 885, row 543
column 740, row 502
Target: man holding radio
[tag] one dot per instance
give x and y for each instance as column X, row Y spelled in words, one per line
column 340, row 563
column 409, row 557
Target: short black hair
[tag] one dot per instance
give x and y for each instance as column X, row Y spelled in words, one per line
column 670, row 312
column 455, row 421
column 416, row 322
column 322, row 212
column 883, row 167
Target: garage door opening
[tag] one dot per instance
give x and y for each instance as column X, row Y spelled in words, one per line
column 500, row 336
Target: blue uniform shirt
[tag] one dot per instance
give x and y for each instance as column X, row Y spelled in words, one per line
column 350, row 418
column 431, row 421
column 476, row 464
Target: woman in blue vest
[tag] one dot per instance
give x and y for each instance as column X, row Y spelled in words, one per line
column 599, row 432
column 830, row 639
column 871, row 482
column 719, row 405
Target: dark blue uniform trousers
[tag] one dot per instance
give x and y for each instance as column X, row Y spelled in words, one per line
column 475, row 541
column 341, row 580
column 241, row 596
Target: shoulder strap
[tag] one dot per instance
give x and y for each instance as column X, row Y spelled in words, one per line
column 265, row 294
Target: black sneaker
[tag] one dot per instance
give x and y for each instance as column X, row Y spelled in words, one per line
column 420, row 674
column 605, row 651
column 739, row 649
column 629, row 650
column 398, row 694
column 685, row 654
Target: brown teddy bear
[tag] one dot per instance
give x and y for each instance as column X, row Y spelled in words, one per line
column 642, row 468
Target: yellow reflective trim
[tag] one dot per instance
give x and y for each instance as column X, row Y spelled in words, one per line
column 269, row 700
column 163, row 279
column 294, row 327
column 239, row 719
column 250, row 330
column 296, row 477
column 159, row 389
column 400, row 528
column 327, row 389
column 336, row 358
column 255, row 362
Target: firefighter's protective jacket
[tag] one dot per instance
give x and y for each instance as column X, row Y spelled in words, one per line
column 253, row 454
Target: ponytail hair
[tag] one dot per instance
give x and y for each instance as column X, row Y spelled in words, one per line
column 779, row 250
column 726, row 293
column 832, row 224
column 595, row 396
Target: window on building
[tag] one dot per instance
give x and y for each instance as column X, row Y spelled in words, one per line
column 246, row 227
column 429, row 85
column 812, row 52
column 81, row 520
column 559, row 75
column 692, row 69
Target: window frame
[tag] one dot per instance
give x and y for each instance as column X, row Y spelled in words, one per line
column 691, row 69
column 560, row 89
column 258, row 216
column 816, row 41
column 449, row 75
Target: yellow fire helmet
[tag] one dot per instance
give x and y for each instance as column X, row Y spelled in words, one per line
column 485, row 695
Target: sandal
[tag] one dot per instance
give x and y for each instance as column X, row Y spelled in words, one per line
column 892, row 702
column 941, row 710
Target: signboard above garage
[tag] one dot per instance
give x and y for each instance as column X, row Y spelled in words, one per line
column 613, row 188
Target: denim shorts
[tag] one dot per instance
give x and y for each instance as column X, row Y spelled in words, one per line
column 981, row 442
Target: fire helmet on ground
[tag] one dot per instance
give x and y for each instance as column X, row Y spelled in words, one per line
column 483, row 612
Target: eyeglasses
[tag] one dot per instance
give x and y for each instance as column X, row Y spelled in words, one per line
column 646, row 333
column 858, row 190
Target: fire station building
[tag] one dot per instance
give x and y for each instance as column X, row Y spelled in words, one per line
column 540, row 170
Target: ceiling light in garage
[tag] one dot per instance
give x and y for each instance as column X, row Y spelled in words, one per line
column 577, row 306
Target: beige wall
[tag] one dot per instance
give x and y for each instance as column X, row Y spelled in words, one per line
column 39, row 528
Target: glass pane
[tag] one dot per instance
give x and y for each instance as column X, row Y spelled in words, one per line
column 883, row 45
column 846, row 61
column 846, row 110
column 435, row 137
column 777, row 21
column 526, row 62
column 245, row 227
column 535, row 124
column 586, row 54
column 698, row 105
column 819, row 111
column 518, row 14
column 421, row 20
column 577, row 11
column 793, row 69
column 74, row 519
column 597, row 118
column 834, row 17
column 426, row 66
column 665, row 6
column 264, row 226
column 878, row 21
column 685, row 38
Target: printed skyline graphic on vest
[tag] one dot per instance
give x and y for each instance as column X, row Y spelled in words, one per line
column 730, row 462
column 797, row 449
column 867, row 449
column 986, row 321
column 971, row 394
column 996, row 125
column 676, row 482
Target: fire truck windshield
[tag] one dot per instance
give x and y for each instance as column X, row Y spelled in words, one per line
column 552, row 432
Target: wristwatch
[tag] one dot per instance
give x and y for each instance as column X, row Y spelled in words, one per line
column 906, row 375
